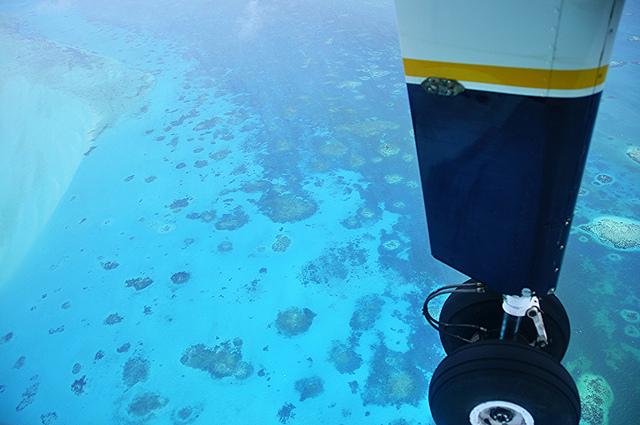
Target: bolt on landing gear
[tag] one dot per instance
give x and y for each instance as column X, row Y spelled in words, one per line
column 503, row 364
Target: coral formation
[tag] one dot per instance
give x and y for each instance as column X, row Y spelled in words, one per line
column 344, row 358
column 221, row 361
column 602, row 320
column 112, row 319
column 630, row 316
column 179, row 204
column 335, row 149
column 136, row 369
column 20, row 362
column 357, row 161
column 109, row 265
column 387, row 149
column 400, row 386
column 281, row 244
column 634, row 153
column 309, row 387
column 631, row 331
column 206, row 216
column 143, row 405
column 27, row 396
column 619, row 232
column 596, row 398
column 225, row 246
column 393, row 178
column 78, row 385
column 48, row 418
column 283, row 145
column 163, row 230
column 367, row 312
column 180, row 277
column 294, row 321
column 208, row 124
column 124, row 348
column 6, row 338
column 394, row 379
column 370, row 212
column 286, row 413
column 186, row 415
column 286, row 208
column 604, row 179
column 219, row 155
column 335, row 263
column 351, row 223
column 233, row 221
column 139, row 283
column 391, row 244
column 368, row 128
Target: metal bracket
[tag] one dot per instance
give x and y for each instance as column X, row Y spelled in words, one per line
column 442, row 86
column 535, row 314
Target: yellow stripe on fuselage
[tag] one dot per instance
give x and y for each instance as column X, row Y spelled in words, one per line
column 508, row 76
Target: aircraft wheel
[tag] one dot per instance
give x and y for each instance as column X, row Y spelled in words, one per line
column 496, row 382
column 486, row 310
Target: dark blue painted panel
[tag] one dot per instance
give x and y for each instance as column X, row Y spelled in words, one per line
column 500, row 175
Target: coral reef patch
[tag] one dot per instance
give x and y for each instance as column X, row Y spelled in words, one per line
column 221, row 361
column 225, row 246
column 368, row 128
column 344, row 358
column 179, row 204
column 233, row 221
column 78, row 385
column 286, row 412
column 367, row 312
column 281, row 244
column 144, row 405
column 28, row 396
column 136, row 369
column 186, row 415
column 631, row 331
column 394, row 379
column 335, row 263
column 286, row 208
column 618, row 232
column 48, row 418
column 309, row 387
column 180, row 277
column 6, row 338
column 596, row 397
column 634, row 153
column 630, row 316
column 112, row 319
column 139, row 283
column 294, row 321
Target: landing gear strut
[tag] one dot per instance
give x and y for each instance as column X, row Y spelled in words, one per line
column 501, row 369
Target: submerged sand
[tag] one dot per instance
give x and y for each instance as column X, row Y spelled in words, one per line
column 56, row 100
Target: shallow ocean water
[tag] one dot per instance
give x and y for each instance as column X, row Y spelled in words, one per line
column 215, row 216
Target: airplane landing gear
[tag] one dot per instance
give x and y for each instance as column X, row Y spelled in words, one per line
column 502, row 382
column 486, row 380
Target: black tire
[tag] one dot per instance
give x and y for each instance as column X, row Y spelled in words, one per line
column 486, row 310
column 495, row 371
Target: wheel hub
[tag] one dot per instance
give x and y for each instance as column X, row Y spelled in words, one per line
column 498, row 412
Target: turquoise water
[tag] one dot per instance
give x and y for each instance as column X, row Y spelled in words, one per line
column 214, row 216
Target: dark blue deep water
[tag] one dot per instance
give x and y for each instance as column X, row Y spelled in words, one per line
column 211, row 214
